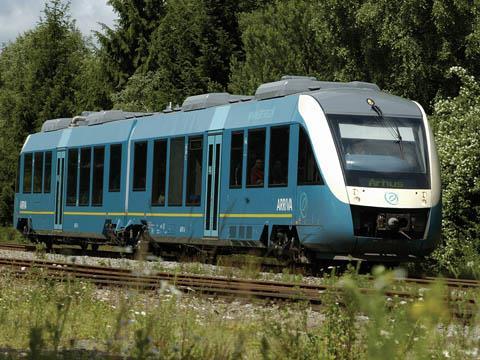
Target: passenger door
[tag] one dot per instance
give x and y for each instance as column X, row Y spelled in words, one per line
column 212, row 186
column 59, row 189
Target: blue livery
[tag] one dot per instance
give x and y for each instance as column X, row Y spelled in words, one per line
column 305, row 168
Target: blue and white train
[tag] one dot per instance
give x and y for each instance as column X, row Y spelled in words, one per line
column 320, row 170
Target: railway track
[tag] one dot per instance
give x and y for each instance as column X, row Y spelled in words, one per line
column 426, row 281
column 199, row 284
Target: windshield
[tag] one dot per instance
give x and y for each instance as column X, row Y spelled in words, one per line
column 376, row 154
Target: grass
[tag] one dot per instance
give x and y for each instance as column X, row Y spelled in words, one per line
column 47, row 318
column 11, row 235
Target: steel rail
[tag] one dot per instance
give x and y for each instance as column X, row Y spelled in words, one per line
column 450, row 282
column 221, row 286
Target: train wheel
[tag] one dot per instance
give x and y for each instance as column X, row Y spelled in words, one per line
column 84, row 246
column 94, row 247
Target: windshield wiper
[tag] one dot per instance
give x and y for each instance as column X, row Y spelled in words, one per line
column 391, row 125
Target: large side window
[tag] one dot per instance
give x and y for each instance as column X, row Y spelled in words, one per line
column 37, row 172
column 114, row 179
column 17, row 182
column 175, row 179
column 308, row 173
column 97, row 181
column 47, row 180
column 27, row 173
column 140, row 166
column 256, row 158
column 236, row 160
column 194, row 171
column 85, row 165
column 159, row 172
column 72, row 177
column 278, row 162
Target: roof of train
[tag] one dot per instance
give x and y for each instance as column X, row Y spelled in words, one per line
column 235, row 115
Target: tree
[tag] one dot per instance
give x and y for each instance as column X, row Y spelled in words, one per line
column 277, row 40
column 405, row 47
column 456, row 123
column 189, row 53
column 38, row 81
column 124, row 48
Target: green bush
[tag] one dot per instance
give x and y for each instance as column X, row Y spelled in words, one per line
column 456, row 123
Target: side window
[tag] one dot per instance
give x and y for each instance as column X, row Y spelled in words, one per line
column 308, row 173
column 27, row 173
column 72, row 177
column 48, row 172
column 256, row 158
column 236, row 160
column 194, row 171
column 140, row 166
column 159, row 172
column 37, row 172
column 97, row 181
column 17, row 183
column 114, row 179
column 278, row 162
column 85, row 165
column 175, row 179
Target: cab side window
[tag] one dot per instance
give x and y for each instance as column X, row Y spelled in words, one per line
column 308, row 173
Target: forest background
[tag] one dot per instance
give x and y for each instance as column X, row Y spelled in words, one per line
column 162, row 51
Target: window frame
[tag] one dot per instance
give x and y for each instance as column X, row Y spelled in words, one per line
column 38, row 178
column 154, row 183
column 24, row 190
column 307, row 143
column 270, row 162
column 47, row 175
column 187, row 190
column 69, row 178
column 135, row 186
column 242, row 133
column 111, row 174
column 102, row 177
column 249, row 165
column 181, row 168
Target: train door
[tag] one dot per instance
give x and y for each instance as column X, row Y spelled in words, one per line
column 59, row 189
column 212, row 189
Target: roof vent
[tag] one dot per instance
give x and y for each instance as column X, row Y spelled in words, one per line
column 286, row 86
column 56, row 124
column 204, row 101
column 290, row 84
column 101, row 117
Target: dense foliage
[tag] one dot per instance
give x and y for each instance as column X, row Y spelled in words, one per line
column 457, row 129
column 161, row 51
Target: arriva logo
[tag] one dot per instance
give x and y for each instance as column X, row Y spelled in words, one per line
column 391, row 198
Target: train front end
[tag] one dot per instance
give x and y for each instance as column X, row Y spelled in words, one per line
column 377, row 155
